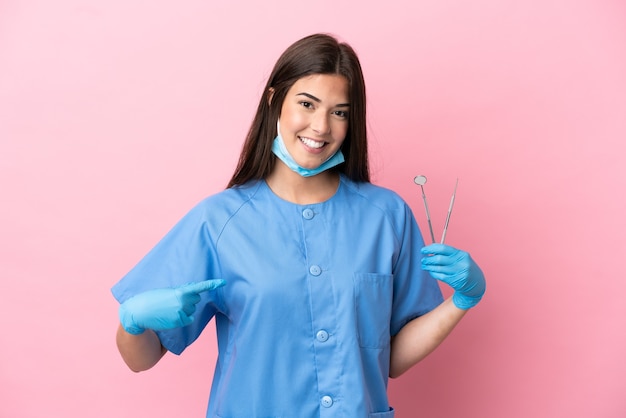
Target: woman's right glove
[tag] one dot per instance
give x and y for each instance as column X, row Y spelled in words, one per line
column 162, row 309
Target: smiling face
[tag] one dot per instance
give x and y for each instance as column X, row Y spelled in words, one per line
column 314, row 118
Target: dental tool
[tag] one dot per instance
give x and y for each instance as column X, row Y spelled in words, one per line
column 421, row 181
column 445, row 227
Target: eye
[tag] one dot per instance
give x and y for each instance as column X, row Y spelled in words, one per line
column 341, row 114
column 306, row 104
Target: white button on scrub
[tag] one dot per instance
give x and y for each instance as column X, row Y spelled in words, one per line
column 308, row 214
column 315, row 270
column 322, row 336
column 327, row 401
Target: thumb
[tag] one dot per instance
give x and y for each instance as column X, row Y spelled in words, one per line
column 440, row 249
column 202, row 286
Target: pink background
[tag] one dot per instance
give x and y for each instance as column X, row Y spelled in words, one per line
column 117, row 117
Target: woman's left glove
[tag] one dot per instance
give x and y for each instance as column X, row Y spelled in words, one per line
column 457, row 269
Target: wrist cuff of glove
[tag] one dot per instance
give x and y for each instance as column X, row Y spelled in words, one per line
column 133, row 330
column 126, row 319
column 465, row 302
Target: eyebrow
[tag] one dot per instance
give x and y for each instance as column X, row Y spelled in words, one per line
column 315, row 99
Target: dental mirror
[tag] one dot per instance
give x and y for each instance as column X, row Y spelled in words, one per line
column 421, row 181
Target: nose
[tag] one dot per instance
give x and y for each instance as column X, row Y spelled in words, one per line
column 320, row 124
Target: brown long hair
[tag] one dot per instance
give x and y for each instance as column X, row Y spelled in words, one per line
column 314, row 54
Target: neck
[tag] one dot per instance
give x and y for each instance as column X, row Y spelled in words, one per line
column 294, row 188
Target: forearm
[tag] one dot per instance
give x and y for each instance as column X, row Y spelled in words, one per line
column 422, row 335
column 140, row 352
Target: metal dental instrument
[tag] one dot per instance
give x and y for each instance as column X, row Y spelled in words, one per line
column 421, row 181
column 445, row 227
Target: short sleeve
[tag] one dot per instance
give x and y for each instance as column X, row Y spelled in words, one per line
column 415, row 291
column 185, row 255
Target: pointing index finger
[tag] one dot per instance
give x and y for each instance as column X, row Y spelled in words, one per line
column 203, row 286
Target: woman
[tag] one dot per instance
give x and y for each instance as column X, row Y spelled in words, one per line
column 312, row 273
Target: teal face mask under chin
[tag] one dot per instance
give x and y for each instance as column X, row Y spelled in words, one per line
column 280, row 150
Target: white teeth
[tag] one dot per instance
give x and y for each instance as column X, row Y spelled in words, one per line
column 310, row 143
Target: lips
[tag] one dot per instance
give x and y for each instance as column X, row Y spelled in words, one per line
column 312, row 143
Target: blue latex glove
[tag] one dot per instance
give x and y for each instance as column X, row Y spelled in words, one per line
column 457, row 269
column 161, row 309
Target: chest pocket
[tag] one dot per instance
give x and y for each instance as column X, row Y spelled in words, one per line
column 373, row 295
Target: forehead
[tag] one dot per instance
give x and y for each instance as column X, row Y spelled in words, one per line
column 331, row 88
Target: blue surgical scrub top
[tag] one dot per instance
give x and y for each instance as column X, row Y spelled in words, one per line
column 313, row 295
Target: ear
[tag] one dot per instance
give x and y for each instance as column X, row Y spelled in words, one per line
column 270, row 95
